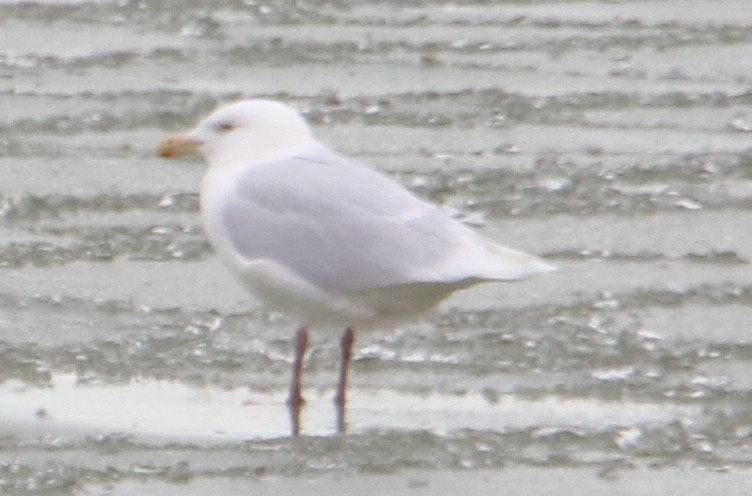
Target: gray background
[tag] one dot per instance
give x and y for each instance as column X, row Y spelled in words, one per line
column 609, row 137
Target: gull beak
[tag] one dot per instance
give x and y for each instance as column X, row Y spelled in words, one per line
column 179, row 144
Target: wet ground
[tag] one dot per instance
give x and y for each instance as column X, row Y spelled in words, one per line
column 611, row 138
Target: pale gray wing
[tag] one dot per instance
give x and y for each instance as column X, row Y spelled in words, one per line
column 339, row 225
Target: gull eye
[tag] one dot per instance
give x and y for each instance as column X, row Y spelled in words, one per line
column 224, row 127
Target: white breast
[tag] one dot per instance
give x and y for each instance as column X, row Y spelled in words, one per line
column 217, row 185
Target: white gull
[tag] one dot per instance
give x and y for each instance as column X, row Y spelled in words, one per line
column 324, row 239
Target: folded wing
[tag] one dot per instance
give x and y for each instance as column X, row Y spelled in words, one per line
column 363, row 230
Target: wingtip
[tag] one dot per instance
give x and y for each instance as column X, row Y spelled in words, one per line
column 544, row 267
column 514, row 264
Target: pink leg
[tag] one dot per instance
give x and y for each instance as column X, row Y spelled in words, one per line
column 295, row 400
column 341, row 398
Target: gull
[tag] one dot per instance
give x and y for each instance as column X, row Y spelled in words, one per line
column 325, row 239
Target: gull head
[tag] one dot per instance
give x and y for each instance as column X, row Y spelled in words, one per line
column 243, row 133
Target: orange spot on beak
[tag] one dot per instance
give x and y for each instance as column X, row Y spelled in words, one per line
column 177, row 145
